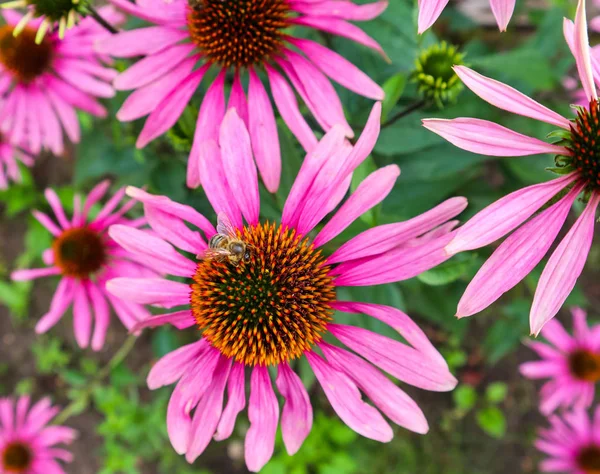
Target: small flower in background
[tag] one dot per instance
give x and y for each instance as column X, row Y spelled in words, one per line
column 269, row 299
column 44, row 84
column 572, row 365
column 27, row 443
column 86, row 257
column 578, row 163
column 9, row 158
column 430, row 11
column 252, row 35
column 572, row 443
column 434, row 74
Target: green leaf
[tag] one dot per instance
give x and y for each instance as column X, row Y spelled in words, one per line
column 496, row 392
column 465, row 397
column 393, row 88
column 448, row 271
column 492, row 421
column 367, row 167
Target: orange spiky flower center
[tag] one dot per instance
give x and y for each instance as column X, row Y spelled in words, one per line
column 238, row 33
column 588, row 459
column 16, row 458
column 22, row 56
column 79, row 252
column 585, row 365
column 271, row 307
column 585, row 144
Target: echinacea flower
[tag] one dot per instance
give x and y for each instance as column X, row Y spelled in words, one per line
column 249, row 36
column 27, row 442
column 10, row 155
column 86, row 257
column 430, row 11
column 578, row 163
column 277, row 303
column 572, row 443
column 572, row 365
column 43, row 85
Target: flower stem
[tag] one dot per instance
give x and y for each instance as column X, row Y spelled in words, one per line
column 96, row 16
column 403, row 113
column 73, row 407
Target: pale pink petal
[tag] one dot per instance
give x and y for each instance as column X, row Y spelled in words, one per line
column 504, row 215
column 556, row 333
column 172, row 366
column 346, row 400
column 101, row 316
column 180, row 319
column 139, row 42
column 238, row 165
column 516, row 257
column 30, row 274
column 174, row 230
column 155, row 291
column 563, row 269
column 340, row 9
column 502, row 10
column 580, row 326
column 57, row 208
column 297, row 413
column 47, row 223
column 541, row 369
column 263, row 129
column 63, row 296
column 82, row 316
column 263, row 414
column 368, row 194
column 237, row 98
column 507, row 98
column 581, row 51
column 429, row 12
column 489, row 138
column 236, row 401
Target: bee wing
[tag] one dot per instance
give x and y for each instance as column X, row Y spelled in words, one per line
column 215, row 254
column 224, row 226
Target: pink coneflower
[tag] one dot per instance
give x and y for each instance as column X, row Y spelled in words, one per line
column 572, row 365
column 86, row 257
column 578, row 162
column 572, row 443
column 251, row 36
column 42, row 85
column 27, row 443
column 9, row 158
column 430, row 11
column 274, row 302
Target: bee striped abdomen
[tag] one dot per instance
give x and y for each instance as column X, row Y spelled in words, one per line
column 218, row 241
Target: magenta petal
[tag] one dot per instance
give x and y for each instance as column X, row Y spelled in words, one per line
column 30, row 274
column 82, row 316
column 101, row 316
column 502, row 10
column 180, row 319
column 156, row 291
column 172, row 366
column 340, row 9
column 139, row 42
column 263, row 413
column 581, row 51
column 499, row 218
column 516, row 257
column 429, row 12
column 297, row 414
column 236, row 400
column 346, row 400
column 172, row 229
column 564, row 267
column 63, row 296
column 237, row 98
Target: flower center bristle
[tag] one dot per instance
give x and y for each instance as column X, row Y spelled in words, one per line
column 79, row 252
column 585, row 365
column 22, row 56
column 588, row 460
column 585, row 144
column 238, row 33
column 272, row 307
column 16, row 458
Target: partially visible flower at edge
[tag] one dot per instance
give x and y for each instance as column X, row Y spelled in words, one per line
column 10, row 155
column 85, row 257
column 27, row 442
column 239, row 36
column 577, row 163
column 572, row 365
column 277, row 303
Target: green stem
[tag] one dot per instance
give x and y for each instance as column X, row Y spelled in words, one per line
column 403, row 113
column 96, row 16
column 116, row 359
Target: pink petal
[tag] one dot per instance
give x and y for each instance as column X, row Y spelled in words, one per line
column 564, row 267
column 238, row 165
column 489, row 138
column 429, row 12
column 63, row 296
column 340, row 9
column 368, row 194
column 139, row 42
column 47, row 223
column 541, row 369
column 386, row 396
column 507, row 98
column 297, row 414
column 174, row 230
column 236, row 400
column 581, row 51
column 263, row 129
column 172, row 366
column 556, row 333
column 263, row 414
column 347, row 402
column 516, row 257
column 82, row 316
column 506, row 214
column 156, row 291
column 502, row 10
column 399, row 360
column 30, row 274
column 237, row 98
column 180, row 319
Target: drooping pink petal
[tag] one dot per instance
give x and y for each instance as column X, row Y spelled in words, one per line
column 171, row 367
column 263, row 129
column 489, row 138
column 516, row 257
column 507, row 98
column 263, row 414
column 502, row 10
column 47, row 223
column 174, row 230
column 237, row 98
column 564, row 267
column 340, row 9
column 180, row 319
column 506, row 214
column 581, row 51
column 368, row 194
column 429, row 12
column 101, row 313
column 82, row 316
column 392, row 401
column 139, row 42
column 157, row 291
column 236, row 401
column 346, row 400
column 297, row 414
column 63, row 296
column 238, row 165
column 30, row 274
